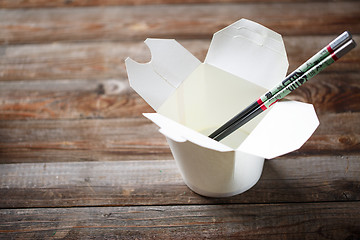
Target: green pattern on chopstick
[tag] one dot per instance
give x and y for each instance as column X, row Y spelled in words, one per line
column 314, row 60
column 308, row 75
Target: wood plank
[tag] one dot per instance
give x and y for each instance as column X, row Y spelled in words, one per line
column 301, row 48
column 172, row 21
column 67, row 140
column 158, row 182
column 336, row 134
column 88, row 3
column 276, row 221
column 113, row 98
column 70, row 99
column 331, row 93
column 136, row 139
column 106, row 60
column 69, row 61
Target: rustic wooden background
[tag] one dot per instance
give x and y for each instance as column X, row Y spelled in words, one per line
column 79, row 161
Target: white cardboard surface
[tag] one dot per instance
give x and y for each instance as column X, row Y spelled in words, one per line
column 180, row 133
column 170, row 64
column 250, row 51
column 208, row 97
column 284, row 129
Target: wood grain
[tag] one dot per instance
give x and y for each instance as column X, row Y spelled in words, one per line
column 101, row 61
column 78, row 99
column 77, row 3
column 70, row 99
column 337, row 134
column 258, row 221
column 136, row 139
column 129, row 183
column 172, row 21
column 89, row 140
column 78, row 160
column 331, row 93
column 69, row 61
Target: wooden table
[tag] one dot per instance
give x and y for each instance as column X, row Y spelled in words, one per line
column 78, row 160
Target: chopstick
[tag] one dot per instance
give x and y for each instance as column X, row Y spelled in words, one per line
column 325, row 57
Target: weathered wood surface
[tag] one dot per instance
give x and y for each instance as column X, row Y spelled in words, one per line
column 70, row 99
column 72, row 3
column 158, row 182
column 172, row 21
column 89, row 80
column 78, row 160
column 113, row 98
column 137, row 138
column 89, row 140
column 106, row 60
column 252, row 221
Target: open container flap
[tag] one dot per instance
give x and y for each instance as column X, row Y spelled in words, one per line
column 286, row 127
column 156, row 80
column 180, row 133
column 250, row 51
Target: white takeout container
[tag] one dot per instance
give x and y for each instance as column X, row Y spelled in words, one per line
column 192, row 99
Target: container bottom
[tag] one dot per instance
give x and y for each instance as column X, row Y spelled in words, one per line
column 205, row 193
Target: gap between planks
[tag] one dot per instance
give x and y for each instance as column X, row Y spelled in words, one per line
column 278, row 221
column 172, row 21
column 138, row 138
column 105, row 60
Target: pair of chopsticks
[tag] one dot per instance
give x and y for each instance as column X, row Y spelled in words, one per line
column 325, row 57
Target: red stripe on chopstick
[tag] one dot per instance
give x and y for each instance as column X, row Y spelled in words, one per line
column 329, row 49
column 263, row 107
column 274, row 102
column 334, row 57
column 259, row 101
